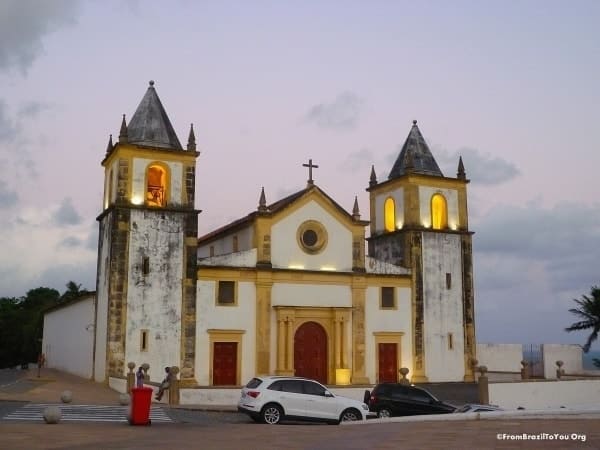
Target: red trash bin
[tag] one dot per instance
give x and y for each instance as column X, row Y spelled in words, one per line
column 141, row 399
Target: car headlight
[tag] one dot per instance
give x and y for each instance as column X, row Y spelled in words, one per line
column 365, row 407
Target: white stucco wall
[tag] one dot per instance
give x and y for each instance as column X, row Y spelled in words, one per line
column 443, row 308
column 101, row 318
column 224, row 245
column 138, row 182
column 398, row 320
column 154, row 300
column 68, row 337
column 451, row 195
column 500, row 357
column 288, row 294
column 398, row 196
column 239, row 317
column 570, row 355
column 286, row 252
column 574, row 394
column 373, row 265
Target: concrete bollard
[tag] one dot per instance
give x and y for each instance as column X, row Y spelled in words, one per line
column 130, row 376
column 66, row 397
column 525, row 370
column 174, row 386
column 146, row 368
column 52, row 414
column 124, row 399
column 403, row 372
column 482, row 385
column 560, row 372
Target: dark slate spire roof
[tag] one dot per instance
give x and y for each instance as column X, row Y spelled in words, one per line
column 415, row 156
column 150, row 124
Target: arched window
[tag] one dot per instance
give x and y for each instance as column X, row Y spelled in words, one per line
column 389, row 214
column 439, row 212
column 156, row 190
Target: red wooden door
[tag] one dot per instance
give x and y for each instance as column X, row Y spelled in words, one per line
column 310, row 352
column 224, row 363
column 388, row 363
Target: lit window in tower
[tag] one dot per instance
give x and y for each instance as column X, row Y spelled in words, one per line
column 439, row 212
column 389, row 214
column 157, row 185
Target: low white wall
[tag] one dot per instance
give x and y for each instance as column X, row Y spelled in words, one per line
column 575, row 394
column 500, row 357
column 230, row 397
column 570, row 355
column 68, row 337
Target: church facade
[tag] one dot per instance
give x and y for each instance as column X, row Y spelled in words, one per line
column 289, row 287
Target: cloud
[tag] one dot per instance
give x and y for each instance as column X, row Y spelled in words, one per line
column 480, row 168
column 32, row 109
column 8, row 128
column 341, row 114
column 530, row 262
column 24, row 23
column 70, row 242
column 66, row 214
column 359, row 160
column 8, row 197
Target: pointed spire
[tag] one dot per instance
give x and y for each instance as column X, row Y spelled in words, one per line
column 415, row 155
column 355, row 210
column 110, row 145
column 191, row 145
column 460, row 174
column 150, row 125
column 262, row 203
column 373, row 180
column 123, row 132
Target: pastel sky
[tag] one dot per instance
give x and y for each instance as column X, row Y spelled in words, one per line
column 511, row 86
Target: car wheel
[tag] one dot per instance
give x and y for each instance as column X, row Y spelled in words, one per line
column 271, row 414
column 350, row 414
column 384, row 413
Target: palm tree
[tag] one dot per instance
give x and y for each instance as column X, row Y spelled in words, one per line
column 589, row 311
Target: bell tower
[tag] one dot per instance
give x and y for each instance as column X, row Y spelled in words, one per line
column 146, row 279
column 419, row 221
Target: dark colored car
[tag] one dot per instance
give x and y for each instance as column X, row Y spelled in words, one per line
column 394, row 399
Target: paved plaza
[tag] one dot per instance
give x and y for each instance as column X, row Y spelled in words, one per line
column 197, row 427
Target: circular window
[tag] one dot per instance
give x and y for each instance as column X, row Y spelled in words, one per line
column 312, row 236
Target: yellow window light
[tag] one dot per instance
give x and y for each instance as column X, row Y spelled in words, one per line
column 389, row 214
column 439, row 212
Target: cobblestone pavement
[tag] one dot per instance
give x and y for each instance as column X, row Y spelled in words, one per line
column 482, row 434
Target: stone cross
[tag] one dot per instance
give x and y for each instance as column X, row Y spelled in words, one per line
column 310, row 166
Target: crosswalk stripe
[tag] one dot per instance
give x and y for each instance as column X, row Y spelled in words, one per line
column 80, row 413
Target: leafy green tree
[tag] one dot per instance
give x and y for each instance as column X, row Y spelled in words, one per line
column 588, row 310
column 73, row 291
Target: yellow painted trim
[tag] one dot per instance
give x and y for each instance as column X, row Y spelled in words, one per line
column 388, row 337
column 221, row 335
column 130, row 151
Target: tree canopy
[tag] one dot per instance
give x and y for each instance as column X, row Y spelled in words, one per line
column 22, row 322
column 589, row 311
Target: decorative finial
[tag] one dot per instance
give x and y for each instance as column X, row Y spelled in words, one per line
column 414, row 122
column 373, row 180
column 123, row 132
column 355, row 210
column 262, row 203
column 191, row 144
column 310, row 166
column 151, row 83
column 110, row 145
column 461, row 169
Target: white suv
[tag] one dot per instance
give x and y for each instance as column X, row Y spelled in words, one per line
column 271, row 399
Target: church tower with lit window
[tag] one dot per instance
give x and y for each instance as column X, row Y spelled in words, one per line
column 146, row 280
column 419, row 221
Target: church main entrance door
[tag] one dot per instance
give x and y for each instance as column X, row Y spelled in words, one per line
column 224, row 363
column 310, row 352
column 388, row 363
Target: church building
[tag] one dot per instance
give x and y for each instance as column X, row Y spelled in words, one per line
column 292, row 287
